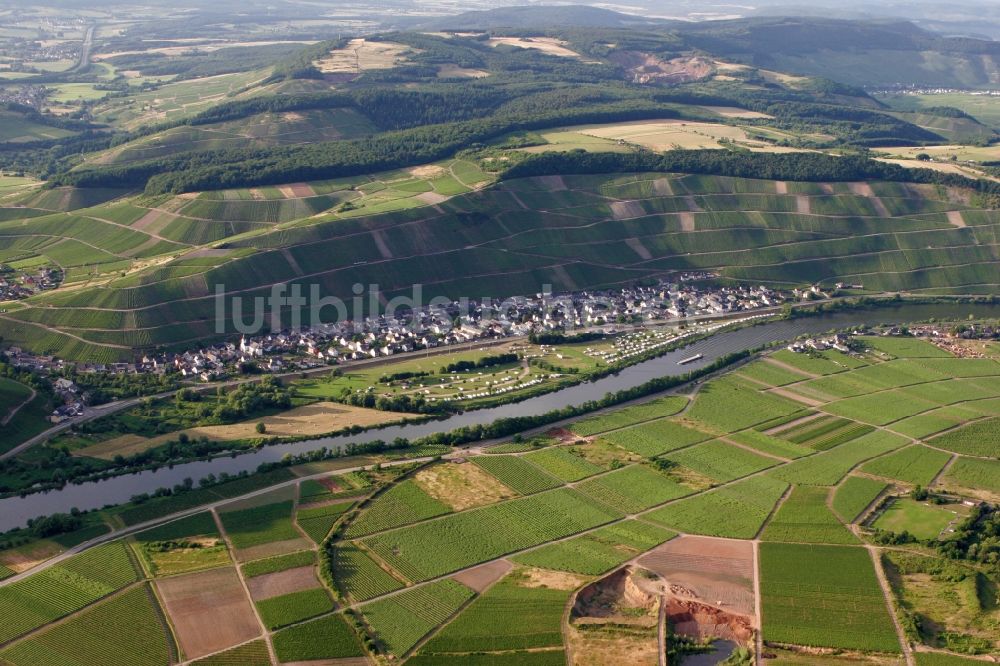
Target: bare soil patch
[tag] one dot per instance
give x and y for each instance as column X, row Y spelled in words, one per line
column 361, row 55
column 554, row 183
column 27, row 557
column 273, row 548
column 451, row 71
column 282, row 582
column 620, row 598
column 481, row 577
column 426, row 171
column 648, row 68
column 554, row 580
column 624, row 210
column 209, row 252
column 209, row 611
column 636, row 245
column 383, row 247
column 792, row 424
column 687, row 221
column 462, row 485
column 781, row 187
column 432, row 198
column 717, row 572
column 662, row 187
column 298, row 190
column 548, row 45
column 154, row 221
column 315, row 419
column 803, row 205
column 955, row 218
column 735, row 112
column 798, row 397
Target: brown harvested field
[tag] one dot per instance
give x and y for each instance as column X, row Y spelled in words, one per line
column 803, row 204
column 481, row 577
column 272, row 549
column 792, row 424
column 298, row 190
column 955, row 218
column 154, row 221
column 636, row 245
column 209, row 611
column 548, row 45
column 451, row 71
column 554, row 580
column 316, row 419
column 27, row 557
column 735, row 112
column 554, row 183
column 687, row 221
column 714, row 571
column 426, row 171
column 462, row 485
column 663, row 188
column 781, row 187
column 361, row 55
column 623, row 210
column 282, row 582
column 432, row 198
column 604, row 648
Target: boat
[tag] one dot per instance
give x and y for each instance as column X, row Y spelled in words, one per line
column 690, row 359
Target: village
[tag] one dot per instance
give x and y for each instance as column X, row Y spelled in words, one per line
column 16, row 284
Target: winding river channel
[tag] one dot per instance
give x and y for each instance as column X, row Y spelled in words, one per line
column 14, row 511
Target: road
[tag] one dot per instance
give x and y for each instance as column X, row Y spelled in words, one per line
column 88, row 44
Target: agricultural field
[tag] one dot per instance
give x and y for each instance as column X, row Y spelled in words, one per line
column 720, row 461
column 286, row 609
column 398, row 622
column 923, row 520
column 854, row 495
column 529, row 609
column 621, row 418
column 979, row 439
column 256, row 526
column 655, row 438
column 824, row 596
column 189, row 544
column 401, row 504
column 328, row 637
column 916, row 465
column 517, row 473
column 599, row 551
column 633, row 489
column 804, row 517
column 975, row 475
column 737, row 511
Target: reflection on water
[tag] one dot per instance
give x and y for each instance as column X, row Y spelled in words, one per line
column 720, row 652
column 14, row 511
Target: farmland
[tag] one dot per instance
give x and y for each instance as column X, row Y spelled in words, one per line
column 854, row 495
column 824, row 596
column 805, row 518
column 402, row 620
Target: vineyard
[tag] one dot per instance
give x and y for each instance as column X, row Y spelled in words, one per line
column 281, row 611
column 328, row 637
column 805, row 518
column 824, row 596
column 318, row 521
column 358, row 576
column 854, row 495
column 599, row 551
column 401, row 504
column 633, row 489
column 655, row 438
column 403, row 619
column 737, row 511
column 721, row 461
column 517, row 473
column 916, row 465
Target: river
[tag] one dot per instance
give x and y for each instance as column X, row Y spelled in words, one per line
column 14, row 511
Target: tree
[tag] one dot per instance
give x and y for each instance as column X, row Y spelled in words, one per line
column 260, row 428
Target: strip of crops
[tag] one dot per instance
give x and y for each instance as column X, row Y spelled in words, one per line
column 530, row 617
column 358, row 575
column 805, row 518
column 656, row 438
column 629, row 416
column 824, row 596
column 517, row 474
column 917, row 465
column 287, row 609
column 599, row 551
column 771, row 445
column 829, row 467
column 317, row 522
column 123, row 631
column 250, row 654
column 736, row 511
column 981, row 439
column 401, row 504
column 721, row 461
column 403, row 619
column 633, row 489
column 259, row 525
column 562, row 464
column 974, row 474
column 328, row 637
column 64, row 588
column 732, row 405
column 855, row 495
column 441, row 546
column 303, row 558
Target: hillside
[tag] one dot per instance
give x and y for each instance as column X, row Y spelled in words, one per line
column 573, row 232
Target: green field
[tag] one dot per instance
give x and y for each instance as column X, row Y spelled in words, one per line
column 916, row 465
column 974, row 474
column 737, row 511
column 517, row 473
column 921, row 519
column 260, row 525
column 401, row 504
column 281, row 611
column 358, row 575
column 981, row 439
column 633, row 489
column 398, row 622
column 318, row 521
column 253, row 653
column 824, row 596
column 531, row 617
column 621, row 418
column 804, row 517
column 599, row 551
column 126, row 630
column 655, row 438
column 255, row 568
column 854, row 495
column 328, row 637
column 721, row 461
